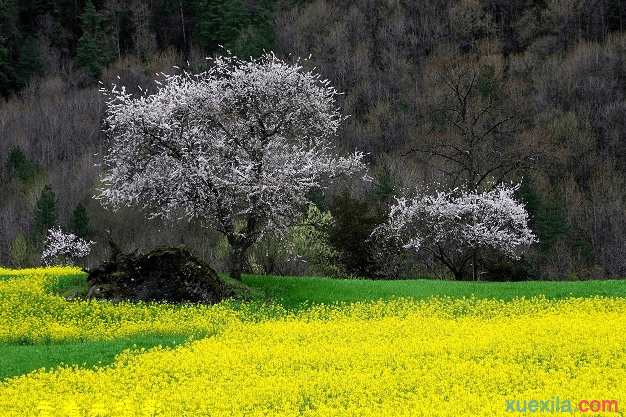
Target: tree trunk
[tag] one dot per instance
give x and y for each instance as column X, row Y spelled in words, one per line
column 182, row 20
column 474, row 260
column 239, row 243
column 237, row 260
column 458, row 275
column 239, row 246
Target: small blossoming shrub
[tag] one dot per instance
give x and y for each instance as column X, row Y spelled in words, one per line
column 63, row 248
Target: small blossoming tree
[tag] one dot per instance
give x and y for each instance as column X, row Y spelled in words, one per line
column 236, row 147
column 63, row 249
column 455, row 227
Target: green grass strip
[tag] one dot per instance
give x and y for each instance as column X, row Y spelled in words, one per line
column 295, row 292
column 21, row 359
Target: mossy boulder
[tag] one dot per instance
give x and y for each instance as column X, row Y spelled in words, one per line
column 166, row 274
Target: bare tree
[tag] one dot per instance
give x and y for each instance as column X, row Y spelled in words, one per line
column 473, row 133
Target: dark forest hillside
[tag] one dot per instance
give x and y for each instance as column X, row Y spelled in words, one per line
column 468, row 93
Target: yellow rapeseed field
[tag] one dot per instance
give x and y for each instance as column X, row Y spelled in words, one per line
column 436, row 357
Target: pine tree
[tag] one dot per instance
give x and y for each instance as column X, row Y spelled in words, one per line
column 80, row 223
column 259, row 36
column 18, row 164
column 39, row 7
column 30, row 63
column 20, row 167
column 46, row 212
column 91, row 21
column 220, row 22
column 548, row 217
column 553, row 223
column 354, row 222
column 88, row 56
column 316, row 196
column 7, row 72
column 487, row 85
column 383, row 190
column 8, row 14
column 531, row 199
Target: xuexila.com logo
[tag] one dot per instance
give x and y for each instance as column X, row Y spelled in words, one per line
column 555, row 405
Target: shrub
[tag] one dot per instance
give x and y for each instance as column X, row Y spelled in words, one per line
column 62, row 249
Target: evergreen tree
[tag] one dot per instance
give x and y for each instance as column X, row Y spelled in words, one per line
column 91, row 21
column 220, row 22
column 46, row 212
column 531, row 199
column 88, row 56
column 17, row 163
column 20, row 167
column 8, row 12
column 552, row 223
column 259, row 36
column 549, row 221
column 316, row 196
column 30, row 63
column 383, row 190
column 34, row 8
column 6, row 69
column 547, row 214
column 353, row 223
column 487, row 85
column 80, row 223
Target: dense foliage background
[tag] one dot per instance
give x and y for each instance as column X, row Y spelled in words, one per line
column 464, row 93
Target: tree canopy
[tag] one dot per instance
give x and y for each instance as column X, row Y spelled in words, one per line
column 459, row 227
column 237, row 147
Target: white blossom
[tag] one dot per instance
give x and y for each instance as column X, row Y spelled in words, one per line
column 453, row 225
column 63, row 248
column 242, row 141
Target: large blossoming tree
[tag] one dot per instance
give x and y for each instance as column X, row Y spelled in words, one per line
column 458, row 228
column 236, row 147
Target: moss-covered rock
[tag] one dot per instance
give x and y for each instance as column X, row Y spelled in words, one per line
column 168, row 274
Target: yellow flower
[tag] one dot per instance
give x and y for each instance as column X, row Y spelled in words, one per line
column 403, row 357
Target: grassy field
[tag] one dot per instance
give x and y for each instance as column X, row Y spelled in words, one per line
column 54, row 331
